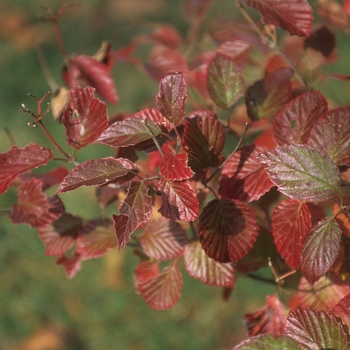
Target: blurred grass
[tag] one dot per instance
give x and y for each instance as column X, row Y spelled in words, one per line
column 100, row 304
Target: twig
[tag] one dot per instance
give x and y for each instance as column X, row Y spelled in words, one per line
column 144, row 122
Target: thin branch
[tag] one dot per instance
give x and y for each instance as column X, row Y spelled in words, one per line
column 9, row 136
column 144, row 122
column 45, row 69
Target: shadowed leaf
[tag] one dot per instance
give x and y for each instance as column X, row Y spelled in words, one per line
column 342, row 310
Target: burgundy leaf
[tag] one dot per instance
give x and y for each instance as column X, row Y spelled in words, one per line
column 315, row 330
column 320, row 249
column 207, row 270
column 293, row 16
column 267, row 96
column 171, row 98
column 146, row 270
column 268, row 342
column 136, row 210
column 237, row 50
column 155, row 116
column 271, row 319
column 106, row 195
column 19, row 160
column 162, row 239
column 290, row 221
column 131, row 132
column 96, row 238
column 199, row 80
column 331, row 134
column 227, row 230
column 34, row 207
column 225, row 81
column 323, row 295
column 295, row 120
column 204, row 140
column 85, row 117
column 321, row 40
column 179, row 200
column 243, row 177
column 163, row 291
column 97, row 172
column 87, row 69
column 174, row 167
column 342, row 310
column 59, row 236
column 71, row 265
column 301, row 172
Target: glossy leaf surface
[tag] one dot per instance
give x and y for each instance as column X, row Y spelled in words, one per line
column 243, row 177
column 227, row 230
column 290, row 221
column 294, row 121
column 293, row 16
column 162, row 239
column 301, row 172
column 174, row 167
column 97, row 172
column 205, row 269
column 320, row 249
column 84, row 118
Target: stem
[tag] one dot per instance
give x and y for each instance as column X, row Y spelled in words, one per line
column 5, row 211
column 59, row 37
column 9, row 136
column 144, row 121
column 45, row 69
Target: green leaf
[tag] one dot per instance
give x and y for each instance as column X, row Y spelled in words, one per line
column 268, row 342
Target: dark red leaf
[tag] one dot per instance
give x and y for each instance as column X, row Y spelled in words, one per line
column 174, row 167
column 71, row 265
column 59, row 236
column 96, row 238
column 295, row 120
column 19, row 160
column 145, row 271
column 271, row 319
column 315, row 330
column 290, row 222
column 225, row 83
column 243, row 177
column 268, row 342
column 293, row 16
column 33, row 207
column 106, row 195
column 331, row 134
column 163, row 291
column 207, row 270
column 266, row 97
column 237, row 50
column 321, row 40
column 323, row 295
column 155, row 116
column 86, row 69
column 97, row 172
column 301, row 172
column 320, row 249
column 179, row 200
column 342, row 310
column 162, row 239
column 171, row 98
column 199, row 80
column 85, row 117
column 204, row 140
column 135, row 210
column 227, row 230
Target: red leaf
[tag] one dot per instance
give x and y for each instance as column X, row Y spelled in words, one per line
column 295, row 120
column 71, row 265
column 204, row 140
column 225, row 82
column 85, row 118
column 237, row 50
column 136, row 210
column 243, row 177
column 174, row 167
column 331, row 134
column 207, row 270
column 321, row 40
column 171, row 98
column 179, row 200
column 267, row 96
column 167, row 36
column 59, row 236
column 315, row 330
column 106, row 196
column 98, row 172
column 162, row 239
column 227, row 230
column 19, row 160
column 33, row 207
column 291, row 221
column 271, row 319
column 342, row 310
column 163, row 291
column 96, row 74
column 293, row 16
column 155, row 116
column 323, row 295
column 96, row 238
column 145, row 271
column 199, row 80
column 320, row 249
